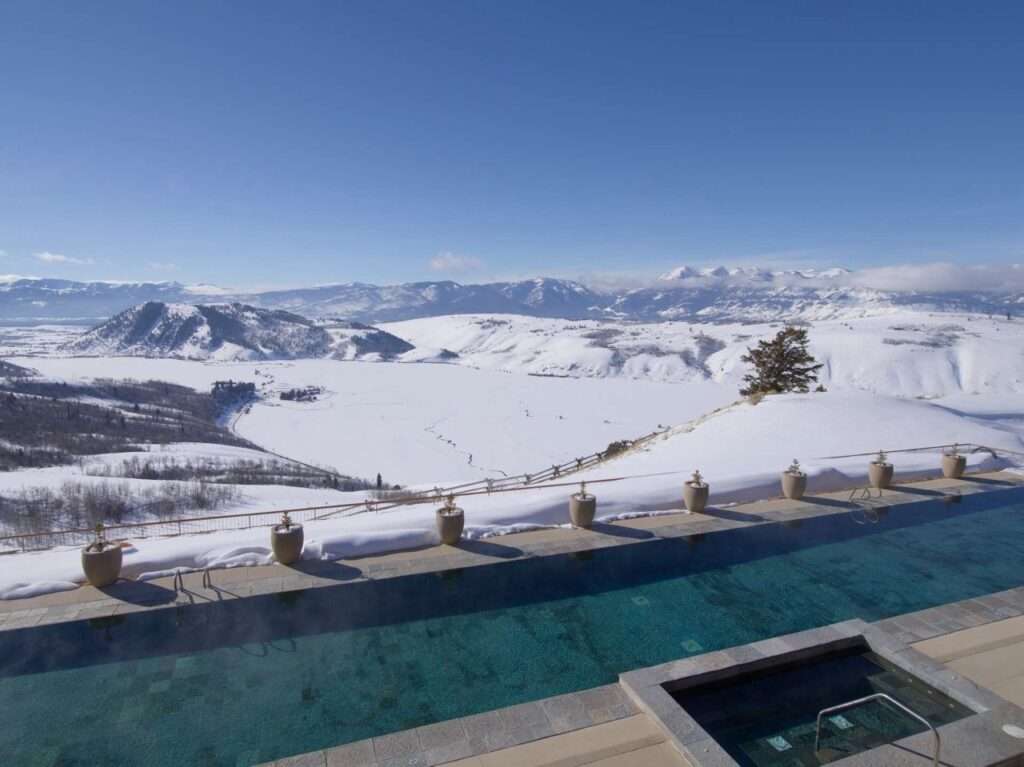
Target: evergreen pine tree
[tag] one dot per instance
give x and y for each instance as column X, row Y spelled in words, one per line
column 780, row 365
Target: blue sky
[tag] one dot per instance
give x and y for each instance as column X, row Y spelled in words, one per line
column 257, row 144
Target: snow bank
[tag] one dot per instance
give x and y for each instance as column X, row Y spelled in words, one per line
column 349, row 545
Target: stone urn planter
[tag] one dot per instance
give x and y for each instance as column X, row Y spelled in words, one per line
column 286, row 541
column 450, row 522
column 794, row 482
column 880, row 472
column 101, row 560
column 695, row 493
column 953, row 464
column 582, row 507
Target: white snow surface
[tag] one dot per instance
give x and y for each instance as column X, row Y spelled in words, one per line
column 425, row 424
column 905, row 379
column 901, row 353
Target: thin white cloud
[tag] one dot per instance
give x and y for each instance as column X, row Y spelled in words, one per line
column 941, row 277
column 447, row 261
column 163, row 266
column 59, row 258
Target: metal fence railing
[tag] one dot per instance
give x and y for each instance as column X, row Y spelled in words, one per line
column 39, row 540
column 551, row 477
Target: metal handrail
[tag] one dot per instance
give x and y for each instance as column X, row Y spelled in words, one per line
column 246, row 520
column 971, row 447
column 868, row 699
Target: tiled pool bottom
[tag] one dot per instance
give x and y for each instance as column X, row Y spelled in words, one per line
column 256, row 679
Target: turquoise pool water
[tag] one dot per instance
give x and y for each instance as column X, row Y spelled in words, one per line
column 246, row 681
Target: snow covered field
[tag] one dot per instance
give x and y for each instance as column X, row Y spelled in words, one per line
column 900, row 353
column 897, row 379
column 424, row 424
column 250, row 497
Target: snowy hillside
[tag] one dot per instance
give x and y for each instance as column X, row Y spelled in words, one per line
column 592, row 383
column 901, row 353
column 230, row 332
column 576, row 349
column 219, row 331
column 353, row 340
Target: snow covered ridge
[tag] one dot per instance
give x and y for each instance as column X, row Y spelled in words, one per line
column 719, row 294
column 230, row 332
column 899, row 351
column 903, row 353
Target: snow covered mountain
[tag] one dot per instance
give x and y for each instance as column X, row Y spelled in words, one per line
column 354, row 340
column 219, row 331
column 232, row 332
column 719, row 294
column 373, row 303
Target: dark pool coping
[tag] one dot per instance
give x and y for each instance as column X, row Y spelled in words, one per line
column 975, row 741
column 241, row 582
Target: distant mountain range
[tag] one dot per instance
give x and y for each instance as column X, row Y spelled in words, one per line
column 711, row 295
column 231, row 332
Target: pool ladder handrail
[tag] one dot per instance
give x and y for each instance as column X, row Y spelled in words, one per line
column 889, row 699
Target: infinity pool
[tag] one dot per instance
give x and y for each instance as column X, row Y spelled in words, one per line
column 250, row 680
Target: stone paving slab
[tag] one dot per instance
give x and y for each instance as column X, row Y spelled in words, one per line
column 478, row 735
column 630, row 741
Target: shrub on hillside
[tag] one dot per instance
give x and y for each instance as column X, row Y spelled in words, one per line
column 781, row 364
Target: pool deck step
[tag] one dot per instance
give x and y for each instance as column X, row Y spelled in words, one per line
column 991, row 656
column 498, row 731
column 635, row 740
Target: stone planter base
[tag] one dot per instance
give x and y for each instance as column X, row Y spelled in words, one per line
column 287, row 543
column 953, row 466
column 102, row 568
column 880, row 475
column 695, row 497
column 582, row 509
column 450, row 523
column 794, row 485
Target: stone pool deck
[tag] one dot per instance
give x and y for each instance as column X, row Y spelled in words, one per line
column 603, row 726
column 240, row 582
